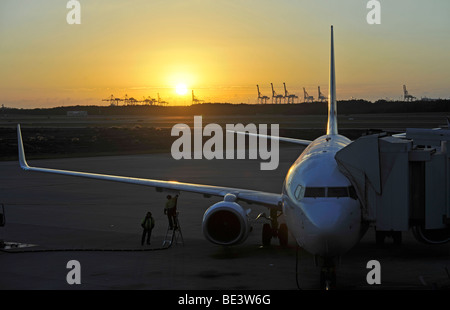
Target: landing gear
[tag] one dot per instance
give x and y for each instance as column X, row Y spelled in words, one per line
column 327, row 271
column 327, row 279
column 266, row 234
column 271, row 230
column 283, row 235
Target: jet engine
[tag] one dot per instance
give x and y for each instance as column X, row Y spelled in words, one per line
column 431, row 236
column 226, row 222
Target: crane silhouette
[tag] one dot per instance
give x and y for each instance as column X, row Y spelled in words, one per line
column 162, row 102
column 290, row 97
column 307, row 97
column 113, row 101
column 321, row 96
column 195, row 99
column 406, row 95
column 261, row 99
column 276, row 96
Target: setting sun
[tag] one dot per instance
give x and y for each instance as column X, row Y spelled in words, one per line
column 219, row 49
column 181, row 89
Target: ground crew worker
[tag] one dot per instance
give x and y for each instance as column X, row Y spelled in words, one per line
column 171, row 210
column 147, row 224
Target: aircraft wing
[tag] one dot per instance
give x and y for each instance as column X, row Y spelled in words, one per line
column 251, row 196
column 284, row 139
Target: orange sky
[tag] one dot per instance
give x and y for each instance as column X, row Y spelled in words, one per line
column 219, row 48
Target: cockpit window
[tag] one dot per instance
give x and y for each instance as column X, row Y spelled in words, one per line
column 299, row 192
column 331, row 192
column 315, row 192
column 337, row 192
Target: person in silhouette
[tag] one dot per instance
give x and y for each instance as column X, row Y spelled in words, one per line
column 147, row 225
column 171, row 210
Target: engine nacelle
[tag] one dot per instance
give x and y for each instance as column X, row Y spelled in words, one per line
column 226, row 223
column 431, row 236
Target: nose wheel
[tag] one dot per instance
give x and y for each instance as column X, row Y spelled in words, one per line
column 327, row 271
column 328, row 278
column 328, row 275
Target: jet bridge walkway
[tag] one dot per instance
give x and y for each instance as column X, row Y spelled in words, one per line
column 402, row 183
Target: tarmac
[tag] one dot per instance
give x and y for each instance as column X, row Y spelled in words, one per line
column 56, row 219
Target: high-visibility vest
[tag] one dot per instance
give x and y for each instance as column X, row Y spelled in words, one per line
column 171, row 203
column 148, row 223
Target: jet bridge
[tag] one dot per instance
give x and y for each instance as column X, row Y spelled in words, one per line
column 402, row 183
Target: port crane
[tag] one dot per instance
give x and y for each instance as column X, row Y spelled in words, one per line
column 290, row 97
column 148, row 101
column 113, row 101
column 406, row 95
column 321, row 97
column 195, row 99
column 276, row 96
column 162, row 102
column 261, row 99
column 307, row 97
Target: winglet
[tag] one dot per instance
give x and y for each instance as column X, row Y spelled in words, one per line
column 332, row 109
column 22, row 160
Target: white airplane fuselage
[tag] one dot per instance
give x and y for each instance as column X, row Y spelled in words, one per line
column 318, row 209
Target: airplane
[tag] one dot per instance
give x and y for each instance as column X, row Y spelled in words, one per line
column 319, row 203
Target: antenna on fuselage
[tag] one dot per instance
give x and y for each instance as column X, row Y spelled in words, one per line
column 332, row 109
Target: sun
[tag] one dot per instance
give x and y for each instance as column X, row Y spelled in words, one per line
column 181, row 89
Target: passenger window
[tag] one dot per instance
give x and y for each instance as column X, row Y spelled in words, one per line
column 337, row 192
column 299, row 192
column 315, row 192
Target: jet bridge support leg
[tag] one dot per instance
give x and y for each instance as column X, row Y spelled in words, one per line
column 2, row 224
column 380, row 237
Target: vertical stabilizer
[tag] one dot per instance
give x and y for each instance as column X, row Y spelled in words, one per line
column 332, row 109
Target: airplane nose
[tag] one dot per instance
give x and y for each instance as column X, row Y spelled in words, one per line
column 330, row 226
column 325, row 217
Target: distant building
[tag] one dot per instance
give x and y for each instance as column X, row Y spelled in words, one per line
column 77, row 113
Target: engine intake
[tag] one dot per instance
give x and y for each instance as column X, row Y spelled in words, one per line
column 226, row 223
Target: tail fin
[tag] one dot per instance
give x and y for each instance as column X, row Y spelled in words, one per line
column 332, row 109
